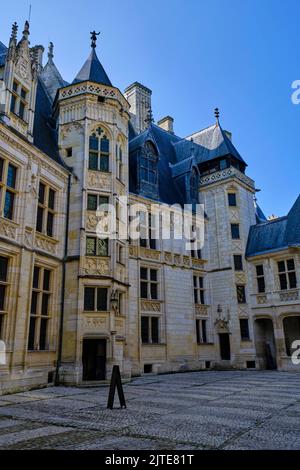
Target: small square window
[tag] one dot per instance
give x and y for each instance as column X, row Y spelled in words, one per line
column 69, row 152
column 241, row 294
column 238, row 262
column 235, row 231
column 232, row 199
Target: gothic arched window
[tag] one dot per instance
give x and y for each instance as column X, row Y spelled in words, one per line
column 148, row 167
column 99, row 151
column 194, row 185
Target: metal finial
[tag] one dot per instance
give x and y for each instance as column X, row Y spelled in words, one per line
column 217, row 114
column 94, row 38
column 26, row 30
column 14, row 31
column 149, row 119
column 50, row 51
column 192, row 147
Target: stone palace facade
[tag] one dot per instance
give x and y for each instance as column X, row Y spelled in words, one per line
column 71, row 304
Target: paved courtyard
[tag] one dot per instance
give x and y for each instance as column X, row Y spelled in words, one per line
column 196, row 410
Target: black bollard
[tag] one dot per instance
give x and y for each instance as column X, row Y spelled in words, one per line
column 115, row 382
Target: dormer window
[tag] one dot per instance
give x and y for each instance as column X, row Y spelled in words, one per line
column 99, row 151
column 148, row 168
column 18, row 104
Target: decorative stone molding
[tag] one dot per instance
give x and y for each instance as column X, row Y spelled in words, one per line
column 93, row 88
column 67, row 128
column 120, row 326
column 95, row 323
column 8, row 228
column 133, row 251
column 186, row 260
column 91, row 221
column 168, row 257
column 45, row 243
column 201, row 309
column 240, row 278
column 177, row 259
column 198, row 263
column 149, row 253
column 150, row 306
column 99, row 180
column 221, row 175
column 261, row 299
column 96, row 265
column 28, row 237
column 288, row 296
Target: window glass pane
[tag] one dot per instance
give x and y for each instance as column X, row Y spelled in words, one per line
column 46, row 283
column 89, row 298
column 102, row 247
column 238, row 262
column 9, row 205
column 103, row 200
column 204, row 331
column 50, row 219
column 283, row 281
column 104, row 163
column 34, row 298
column 261, row 284
column 39, row 219
column 2, row 296
column 235, row 231
column 93, row 161
column 241, row 296
column 23, row 93
column 202, row 297
column 153, row 274
column 41, row 193
column 1, row 169
column 36, row 274
column 13, row 104
column 51, row 200
column 104, row 145
column 91, row 246
column 290, row 265
column 260, row 270
column 144, row 292
column 195, row 296
column 11, row 176
column 201, row 282
column 15, row 86
column 143, row 273
column 153, row 289
column 198, row 330
column 195, row 281
column 232, row 199
column 93, row 143
column 281, row 266
column 101, row 299
column 92, row 202
column 45, row 304
column 31, row 333
column 3, row 268
column 21, row 109
column 43, row 334
column 292, row 280
column 145, row 329
column 154, row 330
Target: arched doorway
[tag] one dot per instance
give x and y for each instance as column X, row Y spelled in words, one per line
column 291, row 328
column 265, row 343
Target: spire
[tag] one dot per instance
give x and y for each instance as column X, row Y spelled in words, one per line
column 94, row 38
column 149, row 119
column 92, row 69
column 50, row 52
column 217, row 114
column 26, row 31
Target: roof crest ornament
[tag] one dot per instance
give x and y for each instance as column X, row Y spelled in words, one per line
column 94, row 38
column 217, row 114
column 50, row 51
column 26, row 30
column 14, row 31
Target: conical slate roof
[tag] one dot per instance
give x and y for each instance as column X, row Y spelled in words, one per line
column 92, row 71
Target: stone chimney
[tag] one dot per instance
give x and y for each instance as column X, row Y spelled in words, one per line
column 166, row 123
column 139, row 98
column 38, row 57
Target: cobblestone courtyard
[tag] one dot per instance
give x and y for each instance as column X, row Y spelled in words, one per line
column 200, row 410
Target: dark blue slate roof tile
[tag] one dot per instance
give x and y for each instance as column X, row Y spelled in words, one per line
column 92, row 71
column 3, row 53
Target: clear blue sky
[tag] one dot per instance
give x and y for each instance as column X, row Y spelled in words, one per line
column 239, row 55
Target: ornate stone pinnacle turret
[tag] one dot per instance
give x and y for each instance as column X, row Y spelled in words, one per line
column 26, row 31
column 14, row 32
column 50, row 51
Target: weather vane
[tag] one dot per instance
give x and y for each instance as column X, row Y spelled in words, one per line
column 217, row 114
column 94, row 38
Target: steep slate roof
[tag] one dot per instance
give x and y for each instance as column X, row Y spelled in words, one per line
column 52, row 78
column 276, row 234
column 3, row 52
column 92, row 71
column 44, row 133
column 213, row 142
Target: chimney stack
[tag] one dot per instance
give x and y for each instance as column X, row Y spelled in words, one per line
column 139, row 98
column 166, row 123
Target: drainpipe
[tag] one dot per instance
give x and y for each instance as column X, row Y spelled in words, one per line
column 62, row 301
